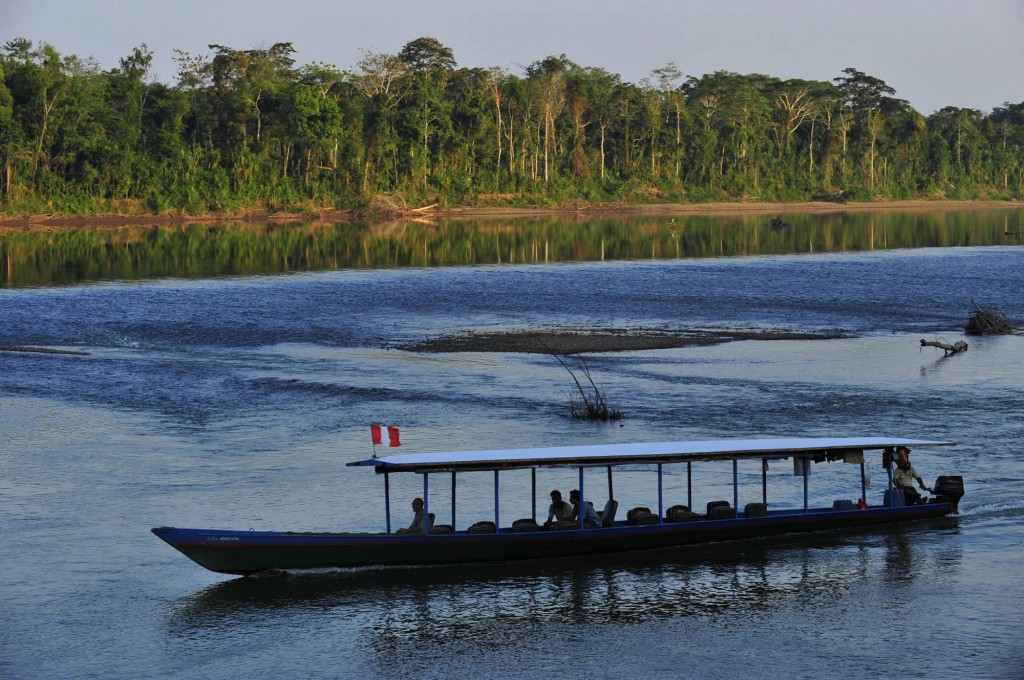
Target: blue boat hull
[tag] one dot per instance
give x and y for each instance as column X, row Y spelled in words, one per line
column 249, row 552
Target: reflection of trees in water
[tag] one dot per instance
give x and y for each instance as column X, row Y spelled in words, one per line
column 69, row 256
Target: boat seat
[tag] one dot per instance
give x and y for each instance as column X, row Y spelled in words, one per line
column 565, row 525
column 524, row 525
column 755, row 510
column 641, row 516
column 722, row 512
column 608, row 515
column 680, row 513
column 716, row 504
column 893, row 498
column 842, row 504
column 442, row 529
column 481, row 528
column 633, row 512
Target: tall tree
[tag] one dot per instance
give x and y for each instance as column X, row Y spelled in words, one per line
column 10, row 134
column 871, row 100
column 494, row 77
column 38, row 81
column 430, row 64
column 384, row 80
column 669, row 78
column 548, row 76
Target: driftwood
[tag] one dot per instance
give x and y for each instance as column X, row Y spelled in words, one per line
column 955, row 348
column 983, row 321
column 394, row 205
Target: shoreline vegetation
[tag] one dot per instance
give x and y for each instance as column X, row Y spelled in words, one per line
column 254, row 135
column 48, row 222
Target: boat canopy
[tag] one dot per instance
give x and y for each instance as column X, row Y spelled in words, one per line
column 600, row 455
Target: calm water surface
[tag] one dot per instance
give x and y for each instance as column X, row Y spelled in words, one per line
column 234, row 401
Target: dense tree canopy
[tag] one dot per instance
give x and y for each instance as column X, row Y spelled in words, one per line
column 252, row 129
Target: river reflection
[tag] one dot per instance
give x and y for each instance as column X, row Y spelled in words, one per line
column 409, row 607
column 34, row 258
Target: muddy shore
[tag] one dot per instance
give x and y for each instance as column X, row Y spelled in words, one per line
column 573, row 340
column 51, row 222
column 560, row 340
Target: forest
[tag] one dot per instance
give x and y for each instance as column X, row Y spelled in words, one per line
column 252, row 130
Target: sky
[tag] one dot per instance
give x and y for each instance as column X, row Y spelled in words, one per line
column 934, row 53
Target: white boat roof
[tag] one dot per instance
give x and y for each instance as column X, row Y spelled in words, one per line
column 621, row 454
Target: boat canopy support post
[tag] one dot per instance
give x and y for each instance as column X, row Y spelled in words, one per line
column 497, row 520
column 582, row 513
column 425, row 522
column 611, row 491
column 863, row 482
column 661, row 499
column 533, row 490
column 453, row 500
column 806, row 469
column 735, row 484
column 387, row 503
column 689, row 485
column 764, row 481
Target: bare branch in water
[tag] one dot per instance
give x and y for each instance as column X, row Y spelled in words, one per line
column 590, row 403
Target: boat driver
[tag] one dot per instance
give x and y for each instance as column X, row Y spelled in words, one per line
column 905, row 475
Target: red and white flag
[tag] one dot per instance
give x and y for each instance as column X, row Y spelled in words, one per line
column 384, row 435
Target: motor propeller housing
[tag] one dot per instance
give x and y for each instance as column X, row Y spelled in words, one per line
column 951, row 489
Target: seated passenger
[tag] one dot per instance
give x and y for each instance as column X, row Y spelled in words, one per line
column 558, row 510
column 591, row 520
column 417, row 519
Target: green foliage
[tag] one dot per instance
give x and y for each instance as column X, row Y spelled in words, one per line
column 245, row 129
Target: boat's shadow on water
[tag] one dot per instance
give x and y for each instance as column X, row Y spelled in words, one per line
column 700, row 581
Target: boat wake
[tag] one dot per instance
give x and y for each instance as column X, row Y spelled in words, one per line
column 993, row 509
column 319, row 571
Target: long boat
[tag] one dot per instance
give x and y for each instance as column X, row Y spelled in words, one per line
column 647, row 528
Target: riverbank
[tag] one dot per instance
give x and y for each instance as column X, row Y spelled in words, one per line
column 51, row 222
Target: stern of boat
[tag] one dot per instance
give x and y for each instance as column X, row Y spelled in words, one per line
column 949, row 489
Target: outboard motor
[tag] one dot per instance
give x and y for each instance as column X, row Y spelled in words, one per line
column 950, row 490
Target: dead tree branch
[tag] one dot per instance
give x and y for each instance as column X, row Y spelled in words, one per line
column 955, row 348
column 983, row 321
column 590, row 404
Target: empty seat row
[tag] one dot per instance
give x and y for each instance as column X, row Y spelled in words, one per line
column 639, row 516
column 682, row 513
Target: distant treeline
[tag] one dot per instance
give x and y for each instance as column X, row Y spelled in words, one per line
column 249, row 129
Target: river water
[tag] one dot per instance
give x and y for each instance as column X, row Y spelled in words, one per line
column 232, row 397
